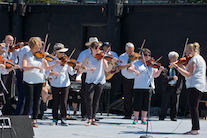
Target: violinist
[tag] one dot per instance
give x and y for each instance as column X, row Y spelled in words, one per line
column 127, row 79
column 195, row 76
column 85, row 53
column 33, row 77
column 172, row 83
column 142, row 85
column 60, row 85
column 95, row 78
column 7, row 77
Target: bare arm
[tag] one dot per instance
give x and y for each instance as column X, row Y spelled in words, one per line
column 47, row 67
column 157, row 73
column 108, row 68
column 190, row 70
column 82, row 68
column 132, row 69
column 125, row 66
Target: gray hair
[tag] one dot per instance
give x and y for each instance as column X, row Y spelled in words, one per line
column 173, row 53
column 129, row 44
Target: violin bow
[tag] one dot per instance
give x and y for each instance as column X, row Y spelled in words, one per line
column 142, row 46
column 46, row 37
column 66, row 61
column 186, row 42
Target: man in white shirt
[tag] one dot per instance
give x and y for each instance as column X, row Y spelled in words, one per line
column 7, row 78
column 127, row 79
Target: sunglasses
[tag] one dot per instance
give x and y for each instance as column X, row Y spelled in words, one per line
column 147, row 55
column 61, row 52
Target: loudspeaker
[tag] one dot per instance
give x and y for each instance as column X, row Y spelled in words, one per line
column 21, row 127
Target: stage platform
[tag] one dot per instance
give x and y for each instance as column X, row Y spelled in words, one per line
column 113, row 126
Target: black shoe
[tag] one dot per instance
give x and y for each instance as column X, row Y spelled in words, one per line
column 83, row 119
column 161, row 118
column 127, row 117
column 96, row 119
column 173, row 119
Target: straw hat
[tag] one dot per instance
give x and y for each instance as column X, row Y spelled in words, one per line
column 93, row 39
column 59, row 47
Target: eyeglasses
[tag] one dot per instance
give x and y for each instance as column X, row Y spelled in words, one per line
column 61, row 52
column 147, row 55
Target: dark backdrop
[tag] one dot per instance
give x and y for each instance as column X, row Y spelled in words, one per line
column 165, row 27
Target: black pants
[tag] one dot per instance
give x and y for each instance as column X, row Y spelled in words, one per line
column 169, row 98
column 128, row 94
column 32, row 94
column 83, row 96
column 194, row 98
column 141, row 99
column 93, row 94
column 60, row 95
column 7, row 80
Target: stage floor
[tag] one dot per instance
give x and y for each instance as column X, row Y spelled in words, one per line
column 113, row 126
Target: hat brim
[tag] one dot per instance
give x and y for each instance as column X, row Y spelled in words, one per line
column 89, row 43
column 62, row 50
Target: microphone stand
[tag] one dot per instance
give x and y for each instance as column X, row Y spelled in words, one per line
column 150, row 96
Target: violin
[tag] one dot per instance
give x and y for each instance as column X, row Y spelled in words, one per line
column 9, row 63
column 182, row 61
column 41, row 54
column 154, row 64
column 17, row 46
column 107, row 57
column 135, row 56
column 70, row 62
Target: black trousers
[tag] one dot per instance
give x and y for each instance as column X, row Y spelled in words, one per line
column 169, row 98
column 128, row 94
column 93, row 94
column 83, row 96
column 60, row 95
column 32, row 94
column 7, row 80
column 194, row 98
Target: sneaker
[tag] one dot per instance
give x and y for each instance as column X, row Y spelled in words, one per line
column 64, row 123
column 135, row 121
column 144, row 121
column 54, row 122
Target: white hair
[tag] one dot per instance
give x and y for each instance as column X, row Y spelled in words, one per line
column 129, row 44
column 173, row 53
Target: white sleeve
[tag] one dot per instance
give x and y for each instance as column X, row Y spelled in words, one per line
column 70, row 71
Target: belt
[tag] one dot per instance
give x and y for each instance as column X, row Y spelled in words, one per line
column 172, row 85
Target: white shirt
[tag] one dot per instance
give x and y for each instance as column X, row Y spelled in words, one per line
column 98, row 76
column 124, row 58
column 198, row 79
column 143, row 80
column 83, row 55
column 21, row 53
column 2, row 72
column 63, row 78
column 33, row 76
